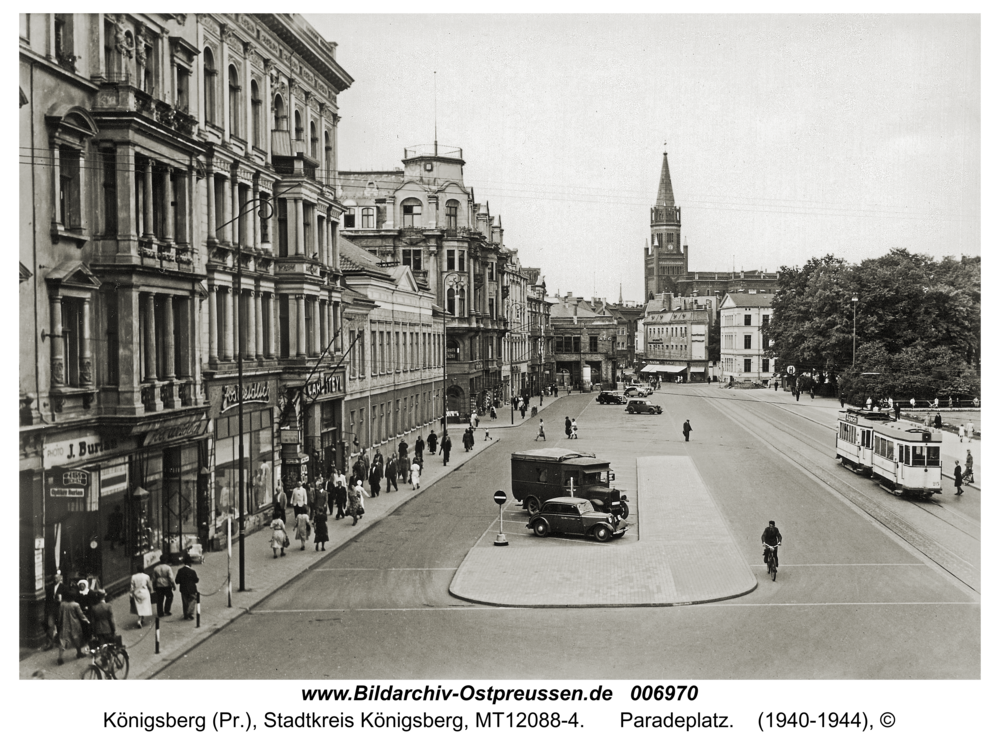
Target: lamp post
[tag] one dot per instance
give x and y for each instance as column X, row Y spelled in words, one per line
column 854, row 335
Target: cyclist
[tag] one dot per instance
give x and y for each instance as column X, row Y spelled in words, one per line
column 771, row 538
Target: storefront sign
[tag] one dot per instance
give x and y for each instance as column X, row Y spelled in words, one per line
column 258, row 391
column 329, row 384
column 71, row 487
column 162, row 431
column 289, row 436
column 58, row 453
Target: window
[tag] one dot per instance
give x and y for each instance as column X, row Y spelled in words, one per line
column 72, row 324
column 282, row 228
column 451, row 214
column 265, row 222
column 411, row 213
column 111, row 335
column 328, row 152
column 747, row 363
column 298, row 128
column 413, row 259
column 765, row 319
column 349, row 218
column 64, row 40
column 109, row 191
column 69, row 187
column 210, row 81
column 313, row 141
column 451, row 301
column 747, row 342
column 279, row 113
column 256, row 107
column 183, row 93
column 308, row 211
column 368, row 217
column 234, row 102
column 747, row 320
column 450, row 259
column 461, row 261
column 461, row 301
column 148, row 67
column 593, row 343
column 765, row 365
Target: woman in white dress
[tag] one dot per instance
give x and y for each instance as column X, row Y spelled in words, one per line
column 141, row 592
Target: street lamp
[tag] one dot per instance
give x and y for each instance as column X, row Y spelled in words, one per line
column 854, row 336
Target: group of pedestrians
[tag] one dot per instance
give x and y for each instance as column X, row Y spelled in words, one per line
column 76, row 614
column 571, row 428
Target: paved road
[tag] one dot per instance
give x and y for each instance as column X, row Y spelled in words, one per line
column 853, row 598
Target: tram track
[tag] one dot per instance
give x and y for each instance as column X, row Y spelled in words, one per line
column 801, row 448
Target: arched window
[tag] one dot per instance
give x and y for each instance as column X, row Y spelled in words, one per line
column 298, row 125
column 461, row 302
column 210, row 82
column 255, row 105
column 412, row 208
column 313, row 141
column 451, row 214
column 280, row 123
column 234, row 102
column 451, row 301
column 368, row 217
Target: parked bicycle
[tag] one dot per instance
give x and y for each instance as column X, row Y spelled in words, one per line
column 109, row 661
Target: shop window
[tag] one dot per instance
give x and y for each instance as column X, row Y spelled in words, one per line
column 258, row 452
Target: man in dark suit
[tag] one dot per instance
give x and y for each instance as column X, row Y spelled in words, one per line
column 52, row 601
column 102, row 618
column 187, row 582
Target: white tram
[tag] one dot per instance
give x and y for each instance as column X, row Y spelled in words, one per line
column 903, row 457
column 854, row 438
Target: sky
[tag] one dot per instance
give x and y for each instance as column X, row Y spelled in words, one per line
column 789, row 136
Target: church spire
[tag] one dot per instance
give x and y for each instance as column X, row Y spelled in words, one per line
column 665, row 197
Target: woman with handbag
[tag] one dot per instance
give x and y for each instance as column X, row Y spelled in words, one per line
column 279, row 539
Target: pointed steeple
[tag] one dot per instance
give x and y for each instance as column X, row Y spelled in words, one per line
column 665, row 197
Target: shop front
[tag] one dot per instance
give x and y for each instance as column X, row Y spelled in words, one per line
column 261, row 472
column 322, row 423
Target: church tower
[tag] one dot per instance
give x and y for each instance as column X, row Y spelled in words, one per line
column 665, row 260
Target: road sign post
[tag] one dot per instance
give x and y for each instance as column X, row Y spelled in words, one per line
column 500, row 498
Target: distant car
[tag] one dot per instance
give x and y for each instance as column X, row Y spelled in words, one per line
column 638, row 390
column 576, row 516
column 611, row 398
column 642, row 406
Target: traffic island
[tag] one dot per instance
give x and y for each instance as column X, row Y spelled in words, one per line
column 685, row 555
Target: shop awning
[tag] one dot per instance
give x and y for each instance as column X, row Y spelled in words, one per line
column 658, row 368
column 696, row 369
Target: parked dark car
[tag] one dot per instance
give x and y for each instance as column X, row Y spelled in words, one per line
column 642, row 406
column 576, row 516
column 611, row 398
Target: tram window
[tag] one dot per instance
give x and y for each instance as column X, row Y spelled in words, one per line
column 866, row 439
column 901, row 453
column 918, row 456
column 933, row 456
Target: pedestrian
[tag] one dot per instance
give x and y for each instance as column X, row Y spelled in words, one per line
column 949, row 402
column 891, row 404
column 896, row 408
column 141, row 595
column 403, row 469
column 356, row 497
column 415, row 469
column 278, row 512
column 446, row 448
column 403, row 449
column 798, row 393
column 958, row 478
column 102, row 619
column 432, row 443
column 303, row 528
column 375, row 478
column 322, row 535
column 524, row 409
column 568, row 427
column 85, row 598
column 936, row 403
column 468, row 440
column 390, row 474
column 573, row 428
column 319, row 496
column 493, row 415
column 868, row 404
column 937, row 421
column 418, row 448
column 71, row 624
column 163, row 583
column 279, row 538
column 970, row 478
column 541, row 430
column 187, row 584
column 359, row 471
column 340, row 497
column 975, row 401
column 961, row 433
column 927, row 420
column 913, row 402
column 970, row 430
column 841, row 399
column 300, row 499
column 486, row 435
column 687, row 430
column 280, row 499
column 52, row 601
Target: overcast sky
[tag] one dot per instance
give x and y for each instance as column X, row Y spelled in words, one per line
column 789, row 136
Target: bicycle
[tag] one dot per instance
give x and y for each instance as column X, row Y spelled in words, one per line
column 109, row 661
column 967, row 477
column 772, row 565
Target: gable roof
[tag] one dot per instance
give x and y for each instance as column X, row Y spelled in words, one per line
column 763, row 300
column 354, row 259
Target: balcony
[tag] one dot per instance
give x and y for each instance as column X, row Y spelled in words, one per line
column 433, row 151
column 118, row 94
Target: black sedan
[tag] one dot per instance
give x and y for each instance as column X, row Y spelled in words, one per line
column 576, row 516
column 611, row 398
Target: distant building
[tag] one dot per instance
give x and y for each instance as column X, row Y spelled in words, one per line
column 745, row 353
column 675, row 339
column 584, row 336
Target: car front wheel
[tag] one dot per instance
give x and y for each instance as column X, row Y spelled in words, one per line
column 601, row 534
column 541, row 528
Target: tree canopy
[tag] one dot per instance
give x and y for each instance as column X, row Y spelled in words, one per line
column 917, row 321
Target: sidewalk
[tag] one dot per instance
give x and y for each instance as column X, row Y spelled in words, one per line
column 263, row 574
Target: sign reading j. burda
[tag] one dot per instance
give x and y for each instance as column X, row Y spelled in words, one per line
column 258, row 391
column 89, row 446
